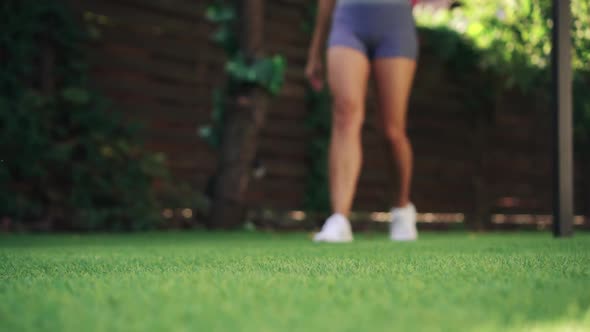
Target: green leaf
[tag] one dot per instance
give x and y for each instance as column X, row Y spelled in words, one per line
column 222, row 35
column 475, row 29
column 205, row 131
column 94, row 33
column 240, row 71
column 210, row 136
column 77, row 96
column 220, row 12
column 270, row 73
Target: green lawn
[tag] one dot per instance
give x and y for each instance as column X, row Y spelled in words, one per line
column 266, row 282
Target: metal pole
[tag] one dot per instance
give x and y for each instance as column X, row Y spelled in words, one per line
column 563, row 214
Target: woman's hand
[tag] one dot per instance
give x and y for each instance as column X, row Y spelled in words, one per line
column 314, row 71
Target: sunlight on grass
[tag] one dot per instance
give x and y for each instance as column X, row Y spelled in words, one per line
column 576, row 323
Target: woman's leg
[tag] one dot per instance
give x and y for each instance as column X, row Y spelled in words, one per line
column 394, row 78
column 348, row 72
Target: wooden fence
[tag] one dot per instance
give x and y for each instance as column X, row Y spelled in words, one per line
column 155, row 60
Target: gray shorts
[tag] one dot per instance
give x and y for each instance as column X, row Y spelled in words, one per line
column 379, row 30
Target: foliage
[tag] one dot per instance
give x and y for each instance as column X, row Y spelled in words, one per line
column 319, row 122
column 267, row 73
column 224, row 15
column 490, row 47
column 514, row 36
column 513, row 40
column 65, row 156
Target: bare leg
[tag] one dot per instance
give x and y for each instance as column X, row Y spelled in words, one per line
column 348, row 72
column 394, row 78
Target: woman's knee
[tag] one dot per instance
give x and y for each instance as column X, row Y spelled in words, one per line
column 348, row 114
column 396, row 134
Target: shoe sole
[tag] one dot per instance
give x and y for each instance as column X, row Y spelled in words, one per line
column 404, row 239
column 344, row 240
column 413, row 236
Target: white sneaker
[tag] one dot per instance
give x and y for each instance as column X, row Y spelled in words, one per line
column 403, row 224
column 336, row 229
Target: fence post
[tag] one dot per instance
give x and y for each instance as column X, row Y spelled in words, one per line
column 563, row 214
column 479, row 218
column 246, row 111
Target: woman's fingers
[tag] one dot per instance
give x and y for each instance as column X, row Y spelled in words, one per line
column 315, row 75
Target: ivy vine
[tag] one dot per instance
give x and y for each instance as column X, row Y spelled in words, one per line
column 267, row 73
column 68, row 160
column 319, row 123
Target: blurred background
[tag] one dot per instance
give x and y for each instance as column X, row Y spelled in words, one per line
column 122, row 115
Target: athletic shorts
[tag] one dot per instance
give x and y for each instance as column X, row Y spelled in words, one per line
column 379, row 30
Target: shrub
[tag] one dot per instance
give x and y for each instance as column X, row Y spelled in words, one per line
column 67, row 158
